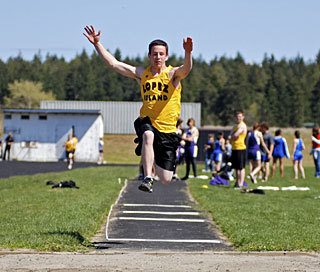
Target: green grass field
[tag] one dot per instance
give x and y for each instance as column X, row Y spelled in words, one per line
column 276, row 221
column 35, row 216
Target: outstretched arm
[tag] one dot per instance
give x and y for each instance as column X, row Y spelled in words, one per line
column 118, row 66
column 182, row 71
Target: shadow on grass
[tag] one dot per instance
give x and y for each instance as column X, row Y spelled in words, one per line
column 73, row 234
column 83, row 241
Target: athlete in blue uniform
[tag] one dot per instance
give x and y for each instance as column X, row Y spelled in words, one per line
column 298, row 147
column 280, row 151
column 255, row 139
column 208, row 147
column 218, row 149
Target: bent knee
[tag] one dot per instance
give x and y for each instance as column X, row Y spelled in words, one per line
column 166, row 181
column 148, row 137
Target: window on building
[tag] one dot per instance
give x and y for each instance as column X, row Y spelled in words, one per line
column 42, row 117
column 25, row 117
column 8, row 116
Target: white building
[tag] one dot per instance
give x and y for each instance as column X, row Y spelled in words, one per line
column 39, row 135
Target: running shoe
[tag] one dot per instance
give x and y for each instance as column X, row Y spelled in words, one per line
column 146, row 185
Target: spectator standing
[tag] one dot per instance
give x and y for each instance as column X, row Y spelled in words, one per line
column 298, row 147
column 280, row 151
column 265, row 156
column 315, row 152
column 191, row 149
column 9, row 140
column 228, row 150
column 238, row 157
column 208, row 148
column 254, row 140
column 218, row 149
column 180, row 150
column 100, row 147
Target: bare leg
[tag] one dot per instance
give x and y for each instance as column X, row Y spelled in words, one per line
column 274, row 164
column 295, row 169
column 302, row 169
column 250, row 166
column 240, row 177
column 218, row 166
column 256, row 170
column 281, row 167
column 147, row 155
column 164, row 175
column 267, row 171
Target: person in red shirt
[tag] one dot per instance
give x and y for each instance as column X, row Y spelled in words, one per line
column 315, row 151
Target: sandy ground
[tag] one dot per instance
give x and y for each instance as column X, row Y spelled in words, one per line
column 159, row 261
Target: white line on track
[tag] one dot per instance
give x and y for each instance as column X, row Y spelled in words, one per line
column 117, row 200
column 162, row 213
column 156, row 205
column 165, row 240
column 162, row 219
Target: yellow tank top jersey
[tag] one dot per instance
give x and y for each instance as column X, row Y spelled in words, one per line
column 161, row 100
column 74, row 141
column 69, row 145
column 239, row 144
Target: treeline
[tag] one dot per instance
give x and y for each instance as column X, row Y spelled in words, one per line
column 286, row 93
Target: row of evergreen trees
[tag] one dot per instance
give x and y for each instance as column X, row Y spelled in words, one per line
column 284, row 92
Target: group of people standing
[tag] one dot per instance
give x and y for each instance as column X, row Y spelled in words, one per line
column 258, row 146
column 217, row 151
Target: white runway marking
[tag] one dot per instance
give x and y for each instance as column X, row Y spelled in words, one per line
column 156, row 205
column 162, row 219
column 117, row 200
column 162, row 213
column 165, row 240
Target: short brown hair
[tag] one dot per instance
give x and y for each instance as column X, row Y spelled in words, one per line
column 158, row 42
column 191, row 120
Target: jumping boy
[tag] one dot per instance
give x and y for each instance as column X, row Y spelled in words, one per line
column 160, row 90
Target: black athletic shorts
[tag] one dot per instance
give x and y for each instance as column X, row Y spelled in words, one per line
column 238, row 159
column 164, row 145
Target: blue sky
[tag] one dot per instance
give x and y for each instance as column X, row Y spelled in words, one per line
column 284, row 28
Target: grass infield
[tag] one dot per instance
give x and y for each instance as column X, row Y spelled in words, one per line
column 35, row 216
column 276, row 221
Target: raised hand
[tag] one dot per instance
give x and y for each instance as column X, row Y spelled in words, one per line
column 91, row 34
column 188, row 44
